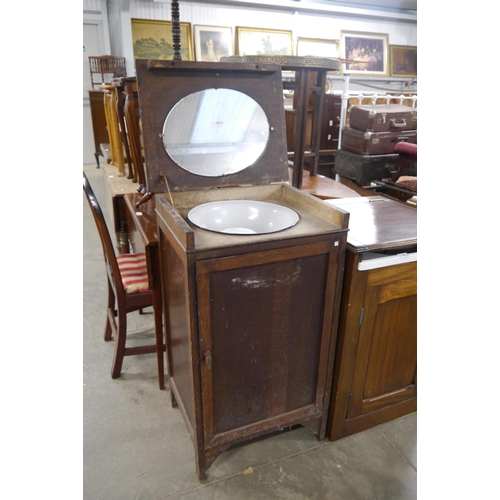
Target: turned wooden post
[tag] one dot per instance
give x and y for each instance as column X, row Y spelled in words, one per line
column 176, row 30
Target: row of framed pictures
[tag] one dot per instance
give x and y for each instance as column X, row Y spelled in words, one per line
column 361, row 53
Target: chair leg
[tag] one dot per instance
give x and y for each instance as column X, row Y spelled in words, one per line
column 110, row 308
column 120, row 339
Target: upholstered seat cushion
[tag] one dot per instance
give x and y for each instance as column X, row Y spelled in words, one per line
column 134, row 272
column 406, row 148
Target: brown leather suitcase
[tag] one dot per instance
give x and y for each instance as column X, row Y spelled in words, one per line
column 365, row 168
column 374, row 143
column 383, row 117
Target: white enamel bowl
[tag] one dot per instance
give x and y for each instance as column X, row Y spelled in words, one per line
column 243, row 217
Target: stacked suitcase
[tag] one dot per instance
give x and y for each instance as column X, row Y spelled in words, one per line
column 367, row 144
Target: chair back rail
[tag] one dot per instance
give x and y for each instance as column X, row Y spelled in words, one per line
column 110, row 261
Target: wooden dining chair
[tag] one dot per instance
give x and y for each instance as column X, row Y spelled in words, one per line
column 128, row 291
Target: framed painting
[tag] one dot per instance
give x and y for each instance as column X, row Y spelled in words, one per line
column 256, row 42
column 212, row 42
column 403, row 60
column 152, row 39
column 317, row 47
column 364, row 53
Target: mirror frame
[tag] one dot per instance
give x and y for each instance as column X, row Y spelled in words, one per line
column 161, row 84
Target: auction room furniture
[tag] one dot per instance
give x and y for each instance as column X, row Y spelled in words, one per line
column 330, row 126
column 250, row 319
column 323, row 187
column 375, row 376
column 301, row 104
column 328, row 132
column 99, row 126
column 133, row 126
column 128, row 291
column 119, row 95
column 303, row 67
column 112, row 121
column 104, row 68
column 402, row 184
column 407, row 153
column 115, row 188
column 142, row 231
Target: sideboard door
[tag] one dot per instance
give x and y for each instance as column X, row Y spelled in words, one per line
column 385, row 370
column 265, row 322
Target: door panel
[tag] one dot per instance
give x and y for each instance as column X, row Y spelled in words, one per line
column 386, row 362
column 265, row 328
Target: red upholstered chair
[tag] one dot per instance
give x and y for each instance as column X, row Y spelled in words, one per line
column 128, row 291
column 407, row 153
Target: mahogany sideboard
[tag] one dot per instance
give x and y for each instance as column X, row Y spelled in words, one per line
column 375, row 375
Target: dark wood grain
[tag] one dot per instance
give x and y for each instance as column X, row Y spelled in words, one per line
column 377, row 222
column 251, row 329
column 119, row 96
column 162, row 84
column 375, row 374
column 98, row 115
column 132, row 119
column 323, row 187
column 251, row 320
column 120, row 303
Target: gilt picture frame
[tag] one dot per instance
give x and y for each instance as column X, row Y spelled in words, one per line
column 212, row 42
column 317, row 47
column 403, row 60
column 257, row 41
column 364, row 53
column 152, row 39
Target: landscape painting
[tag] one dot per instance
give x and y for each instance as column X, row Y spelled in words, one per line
column 153, row 40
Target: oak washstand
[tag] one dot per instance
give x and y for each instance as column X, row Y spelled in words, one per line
column 251, row 268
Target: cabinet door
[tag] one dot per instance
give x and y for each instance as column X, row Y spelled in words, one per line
column 265, row 323
column 330, row 125
column 385, row 370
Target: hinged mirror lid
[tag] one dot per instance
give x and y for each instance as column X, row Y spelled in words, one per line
column 211, row 124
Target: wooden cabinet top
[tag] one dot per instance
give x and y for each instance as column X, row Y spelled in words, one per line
column 377, row 223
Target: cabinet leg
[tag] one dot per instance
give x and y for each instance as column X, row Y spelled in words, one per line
column 205, row 459
column 173, row 400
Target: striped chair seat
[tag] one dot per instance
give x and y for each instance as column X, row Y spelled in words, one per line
column 133, row 269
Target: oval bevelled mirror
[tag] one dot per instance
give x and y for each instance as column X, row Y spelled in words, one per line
column 215, row 132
